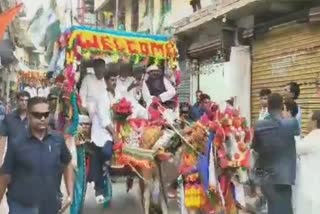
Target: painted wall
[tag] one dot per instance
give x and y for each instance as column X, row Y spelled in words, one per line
column 22, row 55
column 8, row 76
column 215, row 83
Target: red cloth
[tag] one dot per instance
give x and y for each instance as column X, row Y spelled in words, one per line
column 7, row 17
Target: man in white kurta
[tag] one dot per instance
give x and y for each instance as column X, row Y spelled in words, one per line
column 128, row 87
column 92, row 85
column 124, row 80
column 306, row 194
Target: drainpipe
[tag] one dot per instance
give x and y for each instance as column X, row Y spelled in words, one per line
column 117, row 14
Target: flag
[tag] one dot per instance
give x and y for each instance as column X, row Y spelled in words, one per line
column 7, row 17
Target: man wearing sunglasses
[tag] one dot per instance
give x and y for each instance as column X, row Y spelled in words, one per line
column 33, row 165
column 15, row 122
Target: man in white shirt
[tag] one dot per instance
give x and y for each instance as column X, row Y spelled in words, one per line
column 43, row 90
column 92, row 85
column 157, row 86
column 135, row 89
column 103, row 133
column 125, row 79
column 31, row 89
column 127, row 87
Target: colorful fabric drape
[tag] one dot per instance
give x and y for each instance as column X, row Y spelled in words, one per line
column 203, row 163
column 107, row 189
column 80, row 185
column 7, row 17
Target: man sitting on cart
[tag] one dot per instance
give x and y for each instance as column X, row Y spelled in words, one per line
column 158, row 89
column 128, row 84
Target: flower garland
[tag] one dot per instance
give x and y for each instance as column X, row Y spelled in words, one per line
column 72, row 130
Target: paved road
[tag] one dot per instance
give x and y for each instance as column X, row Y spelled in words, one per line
column 122, row 202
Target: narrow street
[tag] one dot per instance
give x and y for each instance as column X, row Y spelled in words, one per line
column 122, row 202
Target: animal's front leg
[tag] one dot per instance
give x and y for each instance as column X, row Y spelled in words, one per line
column 162, row 192
column 164, row 205
column 147, row 197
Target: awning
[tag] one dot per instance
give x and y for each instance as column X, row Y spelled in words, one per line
column 200, row 49
column 6, row 52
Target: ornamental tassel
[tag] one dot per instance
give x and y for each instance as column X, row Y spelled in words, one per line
column 183, row 209
column 137, row 59
column 72, row 130
column 145, row 61
column 115, row 57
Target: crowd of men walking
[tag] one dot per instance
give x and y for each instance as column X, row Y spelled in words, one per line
column 37, row 157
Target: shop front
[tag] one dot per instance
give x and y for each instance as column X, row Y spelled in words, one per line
column 206, row 54
column 283, row 55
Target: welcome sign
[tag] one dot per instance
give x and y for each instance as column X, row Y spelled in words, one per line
column 99, row 41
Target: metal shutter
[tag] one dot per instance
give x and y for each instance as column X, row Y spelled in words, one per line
column 290, row 53
column 184, row 88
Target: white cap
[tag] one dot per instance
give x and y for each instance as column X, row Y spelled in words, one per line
column 108, row 60
column 152, row 68
column 90, row 70
column 84, row 119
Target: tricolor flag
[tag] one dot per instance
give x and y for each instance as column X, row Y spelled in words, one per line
column 7, row 17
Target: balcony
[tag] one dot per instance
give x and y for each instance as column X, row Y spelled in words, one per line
column 234, row 9
column 225, row 6
column 195, row 19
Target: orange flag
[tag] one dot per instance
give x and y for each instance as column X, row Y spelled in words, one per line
column 7, row 17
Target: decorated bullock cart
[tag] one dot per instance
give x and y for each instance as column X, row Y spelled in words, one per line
column 138, row 147
column 214, row 151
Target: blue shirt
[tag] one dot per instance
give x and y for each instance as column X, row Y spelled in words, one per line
column 35, row 169
column 196, row 112
column 2, row 111
column 12, row 125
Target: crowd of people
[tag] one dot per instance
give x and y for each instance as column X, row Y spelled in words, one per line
column 38, row 90
column 37, row 157
column 285, row 161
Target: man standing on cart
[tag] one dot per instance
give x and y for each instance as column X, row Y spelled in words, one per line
column 92, row 85
column 103, row 134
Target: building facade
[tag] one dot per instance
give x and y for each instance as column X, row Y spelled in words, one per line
column 276, row 40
